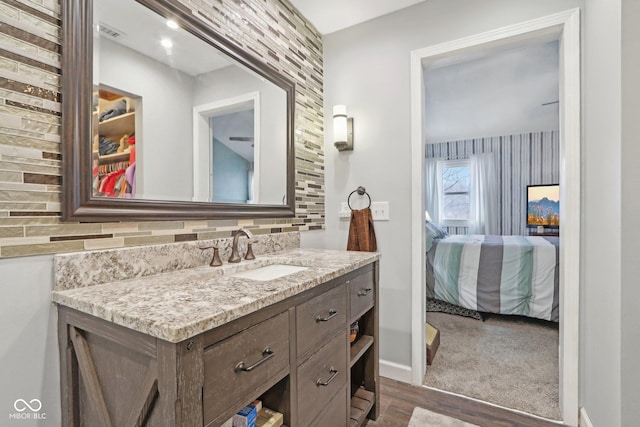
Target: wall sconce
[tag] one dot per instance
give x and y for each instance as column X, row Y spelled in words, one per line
column 342, row 128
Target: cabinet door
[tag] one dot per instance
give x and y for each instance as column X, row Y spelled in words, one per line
column 321, row 377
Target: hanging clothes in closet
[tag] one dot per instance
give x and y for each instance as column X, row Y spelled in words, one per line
column 111, row 180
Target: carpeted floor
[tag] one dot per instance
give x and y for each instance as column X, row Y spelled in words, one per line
column 424, row 418
column 506, row 360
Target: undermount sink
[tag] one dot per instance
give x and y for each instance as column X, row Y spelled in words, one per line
column 269, row 272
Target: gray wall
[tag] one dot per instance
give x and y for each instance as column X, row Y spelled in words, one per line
column 630, row 319
column 611, row 178
column 367, row 68
column 29, row 364
column 600, row 370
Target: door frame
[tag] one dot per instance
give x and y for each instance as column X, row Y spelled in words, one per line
column 566, row 25
column 202, row 142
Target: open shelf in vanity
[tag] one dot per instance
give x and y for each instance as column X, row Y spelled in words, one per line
column 363, row 365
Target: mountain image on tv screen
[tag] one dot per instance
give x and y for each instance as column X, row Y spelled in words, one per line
column 543, row 205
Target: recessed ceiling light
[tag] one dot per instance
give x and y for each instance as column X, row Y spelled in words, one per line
column 172, row 24
column 167, row 43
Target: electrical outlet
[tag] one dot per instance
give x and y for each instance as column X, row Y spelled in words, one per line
column 380, row 211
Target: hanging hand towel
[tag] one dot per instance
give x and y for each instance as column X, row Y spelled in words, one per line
column 362, row 236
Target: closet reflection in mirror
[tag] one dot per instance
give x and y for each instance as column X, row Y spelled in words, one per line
column 176, row 120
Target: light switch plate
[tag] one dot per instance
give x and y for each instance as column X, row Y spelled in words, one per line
column 380, row 211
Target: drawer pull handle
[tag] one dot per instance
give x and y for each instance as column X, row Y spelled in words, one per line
column 334, row 373
column 267, row 354
column 332, row 313
column 364, row 292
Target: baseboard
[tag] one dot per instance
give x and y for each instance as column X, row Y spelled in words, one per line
column 585, row 421
column 395, row 371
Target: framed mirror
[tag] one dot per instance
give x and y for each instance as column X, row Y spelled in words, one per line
column 164, row 118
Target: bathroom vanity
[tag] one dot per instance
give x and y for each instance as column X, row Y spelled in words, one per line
column 194, row 346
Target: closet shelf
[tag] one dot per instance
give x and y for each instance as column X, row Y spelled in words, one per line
column 110, row 158
column 118, row 126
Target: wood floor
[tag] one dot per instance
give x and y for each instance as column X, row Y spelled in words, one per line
column 397, row 401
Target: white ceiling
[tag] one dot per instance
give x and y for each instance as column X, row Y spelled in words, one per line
column 504, row 91
column 142, row 30
column 333, row 15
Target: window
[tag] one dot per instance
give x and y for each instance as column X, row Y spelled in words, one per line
column 454, row 186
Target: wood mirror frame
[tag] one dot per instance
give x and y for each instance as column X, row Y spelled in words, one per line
column 78, row 202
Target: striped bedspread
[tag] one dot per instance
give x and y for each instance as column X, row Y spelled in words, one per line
column 496, row 274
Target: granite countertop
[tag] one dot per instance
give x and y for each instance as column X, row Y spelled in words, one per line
column 178, row 305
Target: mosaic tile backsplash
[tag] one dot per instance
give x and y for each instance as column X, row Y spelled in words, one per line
column 30, row 121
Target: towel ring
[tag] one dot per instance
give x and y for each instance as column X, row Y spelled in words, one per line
column 361, row 191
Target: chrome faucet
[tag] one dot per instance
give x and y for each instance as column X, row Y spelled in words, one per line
column 235, row 256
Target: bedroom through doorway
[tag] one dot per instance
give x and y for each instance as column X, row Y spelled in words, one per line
column 525, row 150
column 492, row 133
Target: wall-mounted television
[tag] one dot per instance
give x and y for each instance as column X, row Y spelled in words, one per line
column 543, row 205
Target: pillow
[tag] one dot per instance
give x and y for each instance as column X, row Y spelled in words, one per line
column 428, row 242
column 437, row 232
column 433, row 232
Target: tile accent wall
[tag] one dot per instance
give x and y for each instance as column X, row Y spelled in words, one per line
column 523, row 159
column 30, row 121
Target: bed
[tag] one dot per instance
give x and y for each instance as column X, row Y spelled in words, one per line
column 516, row 275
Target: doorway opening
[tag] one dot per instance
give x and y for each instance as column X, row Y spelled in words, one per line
column 226, row 138
column 491, row 133
column 563, row 27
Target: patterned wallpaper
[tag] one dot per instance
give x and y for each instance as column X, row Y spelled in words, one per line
column 30, row 120
column 523, row 159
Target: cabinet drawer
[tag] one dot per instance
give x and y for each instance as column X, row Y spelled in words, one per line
column 236, row 367
column 320, row 378
column 320, row 318
column 335, row 414
column 361, row 295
